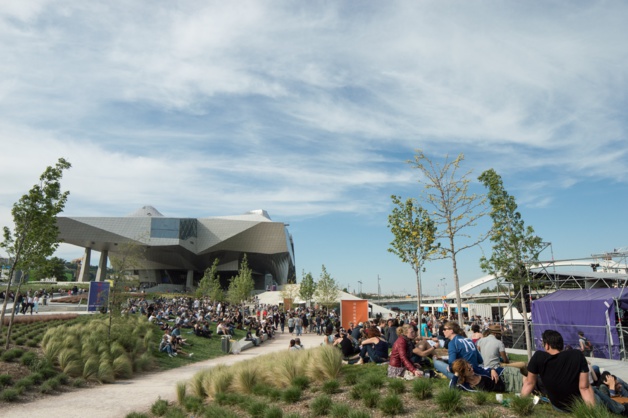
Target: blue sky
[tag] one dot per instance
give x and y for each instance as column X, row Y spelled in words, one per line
column 310, row 109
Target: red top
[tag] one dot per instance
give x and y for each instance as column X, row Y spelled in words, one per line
column 399, row 354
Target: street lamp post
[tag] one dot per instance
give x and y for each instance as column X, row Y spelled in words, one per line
column 379, row 289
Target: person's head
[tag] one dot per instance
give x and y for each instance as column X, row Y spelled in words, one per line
column 553, row 339
column 496, row 330
column 475, row 328
column 373, row 332
column 292, row 343
column 463, row 369
column 580, row 334
column 408, row 330
column 297, row 341
column 450, row 329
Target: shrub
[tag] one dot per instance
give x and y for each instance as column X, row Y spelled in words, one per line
column 273, row 394
column 79, row 382
column 357, row 391
column 48, row 372
column 325, row 364
column 122, row 367
column 396, row 386
column 422, row 388
column 229, row 399
column 25, row 382
column 301, row 381
column 480, row 398
column 6, row 380
column 359, row 414
column 192, row 403
column 370, row 398
column 449, row 400
column 321, row 405
column 215, row 411
column 10, row 395
column 391, row 405
column 136, row 415
column 489, row 413
column 246, row 378
column 256, row 409
column 291, row 395
column 523, row 406
column 351, row 379
column 37, row 378
column 12, row 354
column 62, row 378
column 375, row 381
column 331, row 386
column 20, row 341
column 160, row 407
column 28, row 359
column 32, row 343
column 48, row 386
column 174, row 412
column 339, row 410
column 273, row 412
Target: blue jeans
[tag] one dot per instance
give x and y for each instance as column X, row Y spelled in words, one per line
column 442, row 367
column 299, row 330
column 611, row 405
column 372, row 355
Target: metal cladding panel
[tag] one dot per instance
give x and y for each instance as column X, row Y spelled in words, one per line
column 262, row 239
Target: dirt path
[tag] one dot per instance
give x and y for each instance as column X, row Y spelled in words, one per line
column 138, row 394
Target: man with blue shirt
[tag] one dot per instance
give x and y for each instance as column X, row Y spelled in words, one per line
column 459, row 347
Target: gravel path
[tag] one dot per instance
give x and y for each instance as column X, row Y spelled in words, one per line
column 138, row 394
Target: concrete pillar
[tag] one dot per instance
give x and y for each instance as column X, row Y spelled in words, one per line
column 189, row 283
column 101, row 274
column 84, row 273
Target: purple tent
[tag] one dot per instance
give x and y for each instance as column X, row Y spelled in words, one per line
column 591, row 311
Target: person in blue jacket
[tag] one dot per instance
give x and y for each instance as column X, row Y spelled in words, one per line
column 459, row 347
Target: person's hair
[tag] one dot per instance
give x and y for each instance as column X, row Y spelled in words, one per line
column 403, row 329
column 475, row 328
column 553, row 339
column 455, row 328
column 292, row 343
column 460, row 367
column 580, row 333
column 395, row 322
column 297, row 341
column 373, row 332
column 423, row 321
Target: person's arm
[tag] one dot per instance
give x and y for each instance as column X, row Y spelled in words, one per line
column 528, row 384
column 504, row 357
column 586, row 391
column 372, row 340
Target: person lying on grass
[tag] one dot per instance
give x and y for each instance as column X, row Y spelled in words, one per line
column 499, row 379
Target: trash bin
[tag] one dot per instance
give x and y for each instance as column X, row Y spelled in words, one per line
column 225, row 345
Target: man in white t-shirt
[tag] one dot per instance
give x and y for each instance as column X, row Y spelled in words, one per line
column 492, row 349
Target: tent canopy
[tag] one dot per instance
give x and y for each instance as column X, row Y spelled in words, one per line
column 591, row 311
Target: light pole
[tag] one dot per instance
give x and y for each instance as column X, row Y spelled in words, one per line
column 379, row 289
column 360, row 288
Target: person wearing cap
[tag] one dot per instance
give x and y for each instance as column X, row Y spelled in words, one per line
column 492, row 348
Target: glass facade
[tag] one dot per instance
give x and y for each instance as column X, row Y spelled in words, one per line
column 175, row 228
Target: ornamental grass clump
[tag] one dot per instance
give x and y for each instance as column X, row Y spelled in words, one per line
column 480, row 398
column 422, row 389
column 325, row 364
column 339, row 410
column 449, row 401
column 524, row 406
column 370, row 398
column 396, row 386
column 160, row 407
column 291, row 395
column 331, row 386
column 391, row 405
column 273, row 412
column 320, row 405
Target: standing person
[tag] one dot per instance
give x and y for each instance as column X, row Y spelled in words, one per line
column 298, row 325
column 36, row 303
column 290, row 324
column 476, row 334
column 282, row 322
column 585, row 345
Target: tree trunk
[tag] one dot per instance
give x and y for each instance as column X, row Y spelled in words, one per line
column 10, row 327
column 419, row 297
column 6, row 299
column 526, row 325
column 457, row 286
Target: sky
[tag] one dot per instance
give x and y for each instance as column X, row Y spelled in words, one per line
column 311, row 110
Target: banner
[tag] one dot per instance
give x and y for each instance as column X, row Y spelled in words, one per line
column 287, row 304
column 98, row 295
column 355, row 311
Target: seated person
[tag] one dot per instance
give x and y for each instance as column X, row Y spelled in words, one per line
column 345, row 344
column 374, row 348
column 166, row 347
column 423, row 351
column 399, row 364
column 250, row 337
column 459, row 347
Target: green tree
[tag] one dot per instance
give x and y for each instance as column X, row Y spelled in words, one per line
column 241, row 285
column 515, row 246
column 414, row 237
column 327, row 290
column 307, row 287
column 52, row 268
column 454, row 210
column 35, row 234
column 209, row 286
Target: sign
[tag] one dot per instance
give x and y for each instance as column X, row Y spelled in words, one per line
column 98, row 295
column 355, row 311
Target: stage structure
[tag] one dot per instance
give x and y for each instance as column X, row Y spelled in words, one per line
column 176, row 251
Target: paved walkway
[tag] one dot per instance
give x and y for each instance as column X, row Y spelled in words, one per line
column 138, row 394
